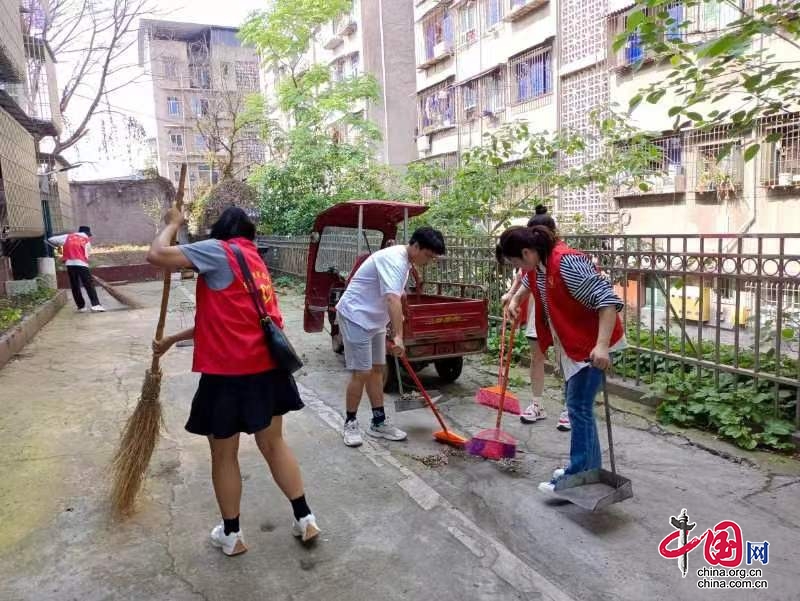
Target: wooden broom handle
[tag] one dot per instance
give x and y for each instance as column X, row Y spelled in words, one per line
column 506, row 369
column 162, row 316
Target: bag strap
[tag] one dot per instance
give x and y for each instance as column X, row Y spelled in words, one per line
column 249, row 282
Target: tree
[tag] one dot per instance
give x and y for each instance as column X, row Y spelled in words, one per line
column 515, row 168
column 322, row 150
column 722, row 75
column 94, row 38
column 232, row 119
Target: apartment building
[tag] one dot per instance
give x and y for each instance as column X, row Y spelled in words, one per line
column 201, row 77
column 34, row 192
column 374, row 37
column 482, row 63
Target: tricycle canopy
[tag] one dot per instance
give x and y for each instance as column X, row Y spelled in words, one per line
column 381, row 215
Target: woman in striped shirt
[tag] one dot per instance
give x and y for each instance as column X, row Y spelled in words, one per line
column 576, row 312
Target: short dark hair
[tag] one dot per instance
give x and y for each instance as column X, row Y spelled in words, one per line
column 85, row 229
column 515, row 239
column 541, row 217
column 428, row 238
column 233, row 223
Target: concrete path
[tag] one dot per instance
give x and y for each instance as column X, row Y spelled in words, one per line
column 401, row 520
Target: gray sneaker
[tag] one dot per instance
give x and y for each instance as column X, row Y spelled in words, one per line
column 352, row 434
column 386, row 430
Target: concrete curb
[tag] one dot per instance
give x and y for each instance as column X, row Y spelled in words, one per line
column 13, row 341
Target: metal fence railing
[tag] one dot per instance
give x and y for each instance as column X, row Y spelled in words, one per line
column 724, row 308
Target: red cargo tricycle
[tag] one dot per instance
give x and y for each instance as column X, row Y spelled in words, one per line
column 443, row 321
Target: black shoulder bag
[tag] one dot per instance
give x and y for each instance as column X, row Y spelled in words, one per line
column 278, row 344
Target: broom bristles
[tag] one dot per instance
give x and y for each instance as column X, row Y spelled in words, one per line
column 120, row 296
column 491, row 398
column 139, row 439
column 492, row 444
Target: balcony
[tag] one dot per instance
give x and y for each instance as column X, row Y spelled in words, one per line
column 671, row 182
column 346, row 25
column 520, row 9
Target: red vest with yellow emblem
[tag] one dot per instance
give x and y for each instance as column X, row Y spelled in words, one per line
column 228, row 339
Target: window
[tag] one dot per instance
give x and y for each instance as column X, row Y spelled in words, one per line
column 721, row 175
column 173, row 106
column 780, row 166
column 354, row 63
column 493, row 98
column 492, row 12
column 437, row 36
column 468, row 24
column 200, row 107
column 436, row 108
column 716, row 16
column 246, row 76
column 207, row 175
column 664, row 172
column 170, row 67
column 634, row 53
column 469, row 99
column 484, row 96
column 200, row 77
column 200, row 142
column 531, row 75
column 176, row 141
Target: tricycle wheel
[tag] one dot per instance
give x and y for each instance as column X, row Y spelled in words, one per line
column 389, row 376
column 449, row 369
column 337, row 344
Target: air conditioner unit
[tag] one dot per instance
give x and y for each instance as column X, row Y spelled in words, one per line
column 423, row 144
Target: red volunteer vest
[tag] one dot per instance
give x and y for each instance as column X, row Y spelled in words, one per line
column 575, row 325
column 228, row 339
column 75, row 248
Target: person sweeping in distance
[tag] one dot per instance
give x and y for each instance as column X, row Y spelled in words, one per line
column 75, row 250
column 373, row 298
column 535, row 412
column 577, row 313
column 240, row 389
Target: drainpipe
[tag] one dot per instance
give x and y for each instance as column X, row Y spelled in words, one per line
column 383, row 80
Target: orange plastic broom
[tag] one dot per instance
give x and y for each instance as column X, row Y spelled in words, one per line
column 491, row 396
column 444, row 435
column 494, row 443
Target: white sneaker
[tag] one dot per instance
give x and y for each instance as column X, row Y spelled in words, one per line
column 387, row 431
column 547, row 488
column 231, row 544
column 352, row 434
column 563, row 421
column 306, row 528
column 532, row 414
column 557, row 473
column 98, row 309
column 83, row 310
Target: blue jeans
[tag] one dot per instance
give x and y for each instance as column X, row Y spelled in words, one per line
column 581, row 389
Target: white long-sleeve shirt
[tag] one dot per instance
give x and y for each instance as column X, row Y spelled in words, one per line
column 60, row 240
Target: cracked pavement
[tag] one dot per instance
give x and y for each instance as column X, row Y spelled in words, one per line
column 407, row 520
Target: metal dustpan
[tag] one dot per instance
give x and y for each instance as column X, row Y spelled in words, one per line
column 596, row 489
column 407, row 401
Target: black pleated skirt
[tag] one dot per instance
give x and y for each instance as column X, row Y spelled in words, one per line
column 226, row 405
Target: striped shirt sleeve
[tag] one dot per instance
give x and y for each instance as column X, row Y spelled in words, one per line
column 586, row 285
column 525, row 282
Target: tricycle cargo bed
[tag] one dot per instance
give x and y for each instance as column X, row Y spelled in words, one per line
column 444, row 326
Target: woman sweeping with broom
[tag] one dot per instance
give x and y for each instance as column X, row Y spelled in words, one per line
column 576, row 311
column 240, row 389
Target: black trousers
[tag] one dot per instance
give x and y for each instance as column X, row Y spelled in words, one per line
column 81, row 275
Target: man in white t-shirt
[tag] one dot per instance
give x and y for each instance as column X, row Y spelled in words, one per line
column 372, row 300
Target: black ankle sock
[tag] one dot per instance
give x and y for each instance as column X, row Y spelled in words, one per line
column 378, row 416
column 351, row 416
column 300, row 507
column 231, row 525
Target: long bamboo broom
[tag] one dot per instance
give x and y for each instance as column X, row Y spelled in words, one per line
column 141, row 431
column 125, row 299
